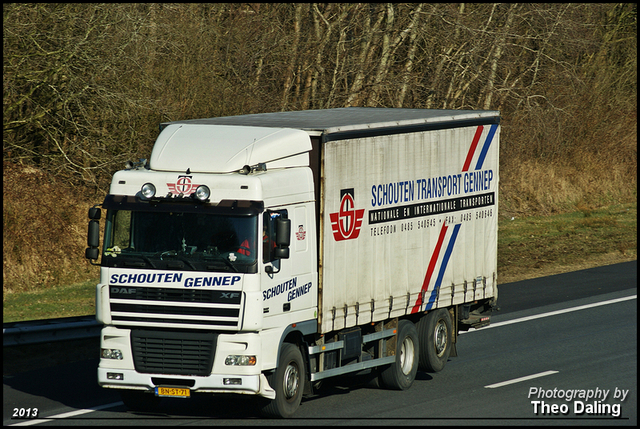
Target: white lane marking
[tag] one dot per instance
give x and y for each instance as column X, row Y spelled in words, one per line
column 538, row 316
column 518, row 380
column 554, row 313
column 67, row 414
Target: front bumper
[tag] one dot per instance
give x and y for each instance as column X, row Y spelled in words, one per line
column 215, row 383
column 220, row 378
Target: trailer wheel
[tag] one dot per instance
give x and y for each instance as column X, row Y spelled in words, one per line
column 400, row 374
column 136, row 400
column 288, row 381
column 435, row 330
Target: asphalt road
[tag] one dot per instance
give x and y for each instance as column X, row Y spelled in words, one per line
column 555, row 342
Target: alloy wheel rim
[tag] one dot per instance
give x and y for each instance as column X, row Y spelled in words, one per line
column 291, row 376
column 440, row 337
column 406, row 355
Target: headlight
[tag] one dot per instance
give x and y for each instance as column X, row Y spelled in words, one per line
column 148, row 190
column 111, row 354
column 202, row 193
column 240, row 360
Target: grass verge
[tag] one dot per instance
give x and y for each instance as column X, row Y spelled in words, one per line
column 64, row 301
column 528, row 247
column 539, row 246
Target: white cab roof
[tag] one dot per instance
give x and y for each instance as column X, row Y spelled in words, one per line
column 226, row 148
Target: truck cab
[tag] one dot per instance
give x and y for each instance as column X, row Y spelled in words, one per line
column 195, row 243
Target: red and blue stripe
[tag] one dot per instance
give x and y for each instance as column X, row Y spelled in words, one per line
column 456, row 228
column 485, row 147
column 432, row 264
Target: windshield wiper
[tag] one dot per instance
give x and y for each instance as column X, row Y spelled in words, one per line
column 174, row 255
column 193, row 267
column 128, row 262
column 226, row 261
column 147, row 260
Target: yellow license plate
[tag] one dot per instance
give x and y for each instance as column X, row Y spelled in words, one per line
column 173, row 392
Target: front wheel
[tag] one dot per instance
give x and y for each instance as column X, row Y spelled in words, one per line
column 400, row 374
column 436, row 337
column 288, row 382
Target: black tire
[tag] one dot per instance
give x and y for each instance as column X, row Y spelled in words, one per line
column 137, row 400
column 436, row 339
column 288, row 381
column 400, row 374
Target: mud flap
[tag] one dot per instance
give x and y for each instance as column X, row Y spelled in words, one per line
column 454, row 351
column 265, row 389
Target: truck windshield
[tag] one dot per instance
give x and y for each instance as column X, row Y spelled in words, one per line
column 180, row 240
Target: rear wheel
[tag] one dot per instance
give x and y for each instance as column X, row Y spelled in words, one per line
column 400, row 374
column 436, row 333
column 288, row 381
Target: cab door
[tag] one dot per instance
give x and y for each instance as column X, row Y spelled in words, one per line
column 289, row 285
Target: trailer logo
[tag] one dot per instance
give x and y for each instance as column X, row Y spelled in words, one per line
column 347, row 222
column 183, row 185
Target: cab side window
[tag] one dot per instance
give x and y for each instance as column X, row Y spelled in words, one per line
column 269, row 233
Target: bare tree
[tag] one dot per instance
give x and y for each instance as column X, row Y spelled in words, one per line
column 85, row 85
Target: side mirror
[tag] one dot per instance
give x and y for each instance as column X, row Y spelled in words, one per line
column 93, row 235
column 283, row 238
column 94, row 213
column 91, row 253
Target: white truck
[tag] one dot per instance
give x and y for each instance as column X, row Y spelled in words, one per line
column 259, row 254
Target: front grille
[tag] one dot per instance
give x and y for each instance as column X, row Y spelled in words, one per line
column 178, row 353
column 169, row 307
column 174, row 295
column 165, row 309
